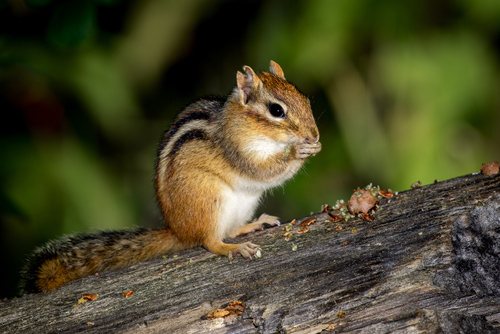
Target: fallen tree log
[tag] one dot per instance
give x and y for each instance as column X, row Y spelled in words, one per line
column 428, row 263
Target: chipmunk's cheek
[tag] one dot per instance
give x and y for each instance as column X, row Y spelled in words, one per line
column 263, row 147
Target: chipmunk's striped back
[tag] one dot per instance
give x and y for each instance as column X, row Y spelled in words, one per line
column 194, row 123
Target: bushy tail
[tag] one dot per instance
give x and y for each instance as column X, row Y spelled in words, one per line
column 72, row 257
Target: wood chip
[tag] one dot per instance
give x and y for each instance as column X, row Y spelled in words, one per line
column 361, row 201
column 232, row 309
column 86, row 297
column 128, row 294
column 491, row 168
column 386, row 193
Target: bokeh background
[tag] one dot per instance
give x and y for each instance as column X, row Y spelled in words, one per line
column 402, row 91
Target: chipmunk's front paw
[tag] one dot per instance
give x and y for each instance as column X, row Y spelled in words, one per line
column 305, row 149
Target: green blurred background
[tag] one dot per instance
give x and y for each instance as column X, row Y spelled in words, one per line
column 401, row 90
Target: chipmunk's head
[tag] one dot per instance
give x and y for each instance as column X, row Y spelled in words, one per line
column 275, row 107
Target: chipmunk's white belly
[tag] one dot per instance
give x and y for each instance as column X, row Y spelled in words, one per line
column 238, row 203
column 237, row 208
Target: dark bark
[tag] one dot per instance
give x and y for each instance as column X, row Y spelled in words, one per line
column 428, row 263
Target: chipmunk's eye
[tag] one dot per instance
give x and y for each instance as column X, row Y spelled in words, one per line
column 276, row 110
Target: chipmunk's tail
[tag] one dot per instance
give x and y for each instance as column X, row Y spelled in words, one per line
column 72, row 257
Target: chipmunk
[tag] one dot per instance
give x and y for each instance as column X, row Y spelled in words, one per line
column 213, row 165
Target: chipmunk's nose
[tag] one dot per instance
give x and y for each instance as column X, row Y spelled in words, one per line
column 313, row 137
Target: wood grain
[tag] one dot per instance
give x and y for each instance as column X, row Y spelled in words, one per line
column 428, row 263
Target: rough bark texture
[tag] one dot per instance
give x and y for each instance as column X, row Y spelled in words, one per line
column 428, row 263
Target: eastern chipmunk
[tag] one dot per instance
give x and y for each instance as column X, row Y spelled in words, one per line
column 214, row 163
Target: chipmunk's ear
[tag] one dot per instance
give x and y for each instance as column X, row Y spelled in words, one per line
column 275, row 69
column 248, row 84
